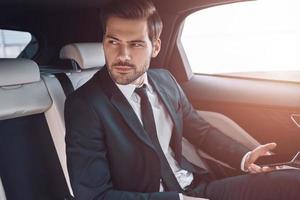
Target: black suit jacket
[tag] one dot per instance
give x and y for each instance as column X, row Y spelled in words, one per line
column 110, row 156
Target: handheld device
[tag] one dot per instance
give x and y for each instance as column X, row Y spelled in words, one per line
column 279, row 160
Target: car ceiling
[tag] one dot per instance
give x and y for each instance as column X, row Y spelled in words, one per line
column 164, row 5
column 58, row 22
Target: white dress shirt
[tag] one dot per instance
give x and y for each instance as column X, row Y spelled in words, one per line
column 164, row 127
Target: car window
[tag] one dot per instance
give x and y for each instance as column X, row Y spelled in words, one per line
column 252, row 39
column 12, row 43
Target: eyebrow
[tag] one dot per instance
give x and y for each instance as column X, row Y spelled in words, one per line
column 138, row 41
column 132, row 41
column 112, row 37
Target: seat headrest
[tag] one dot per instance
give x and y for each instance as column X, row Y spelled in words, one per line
column 18, row 71
column 87, row 55
column 22, row 92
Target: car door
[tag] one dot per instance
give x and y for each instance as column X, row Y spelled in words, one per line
column 265, row 103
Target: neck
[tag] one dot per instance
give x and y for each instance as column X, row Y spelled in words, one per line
column 139, row 81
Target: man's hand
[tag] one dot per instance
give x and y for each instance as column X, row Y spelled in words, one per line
column 193, row 198
column 259, row 151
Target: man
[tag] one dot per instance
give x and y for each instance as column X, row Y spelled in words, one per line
column 125, row 127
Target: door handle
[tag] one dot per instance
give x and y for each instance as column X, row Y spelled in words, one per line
column 296, row 119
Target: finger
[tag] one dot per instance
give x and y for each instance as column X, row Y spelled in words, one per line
column 260, row 151
column 270, row 146
column 269, row 153
column 250, row 170
column 253, row 168
column 268, row 169
column 257, row 168
column 264, row 149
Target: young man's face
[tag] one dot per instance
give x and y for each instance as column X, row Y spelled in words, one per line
column 128, row 49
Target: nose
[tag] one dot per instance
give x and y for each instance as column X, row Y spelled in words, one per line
column 124, row 53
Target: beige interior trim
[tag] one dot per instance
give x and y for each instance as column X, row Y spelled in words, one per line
column 228, row 127
column 18, row 71
column 87, row 55
column 190, row 153
column 23, row 100
column 80, row 78
column 55, row 114
column 55, row 119
column 2, row 193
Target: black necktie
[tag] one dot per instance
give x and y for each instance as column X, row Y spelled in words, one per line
column 169, row 180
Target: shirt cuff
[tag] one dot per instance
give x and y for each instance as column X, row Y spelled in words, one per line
column 180, row 196
column 243, row 162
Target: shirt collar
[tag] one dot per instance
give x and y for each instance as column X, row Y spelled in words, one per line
column 128, row 89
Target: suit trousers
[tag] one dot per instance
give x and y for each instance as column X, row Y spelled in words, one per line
column 275, row 185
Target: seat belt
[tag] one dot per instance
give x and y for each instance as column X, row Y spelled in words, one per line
column 65, row 83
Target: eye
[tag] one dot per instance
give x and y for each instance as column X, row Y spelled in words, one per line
column 113, row 42
column 137, row 44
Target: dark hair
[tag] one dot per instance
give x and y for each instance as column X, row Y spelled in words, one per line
column 134, row 9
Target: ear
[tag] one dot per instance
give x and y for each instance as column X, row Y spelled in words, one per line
column 156, row 47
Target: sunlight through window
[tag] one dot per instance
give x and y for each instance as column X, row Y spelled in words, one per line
column 254, row 36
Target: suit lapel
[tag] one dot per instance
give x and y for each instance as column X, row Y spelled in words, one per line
column 165, row 99
column 122, row 105
column 128, row 114
column 169, row 104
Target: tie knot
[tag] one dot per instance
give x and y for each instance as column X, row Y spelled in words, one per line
column 141, row 91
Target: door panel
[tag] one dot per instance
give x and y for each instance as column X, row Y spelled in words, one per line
column 263, row 108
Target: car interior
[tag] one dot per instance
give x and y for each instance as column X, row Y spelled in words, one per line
column 65, row 51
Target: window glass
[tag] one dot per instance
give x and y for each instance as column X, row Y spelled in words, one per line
column 237, row 38
column 12, row 43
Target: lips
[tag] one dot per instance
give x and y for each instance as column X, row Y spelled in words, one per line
column 123, row 69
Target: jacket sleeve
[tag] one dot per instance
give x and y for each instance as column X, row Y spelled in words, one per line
column 206, row 137
column 87, row 161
